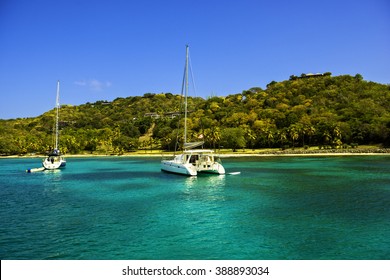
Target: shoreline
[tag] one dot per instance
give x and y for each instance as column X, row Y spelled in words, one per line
column 248, row 153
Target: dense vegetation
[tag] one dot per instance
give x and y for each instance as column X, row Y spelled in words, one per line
column 303, row 111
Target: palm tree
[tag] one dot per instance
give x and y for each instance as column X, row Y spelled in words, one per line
column 251, row 136
column 337, row 132
column 326, row 137
column 270, row 136
column 166, row 141
column 337, row 136
column 294, row 134
column 282, row 137
column 310, row 131
column 215, row 135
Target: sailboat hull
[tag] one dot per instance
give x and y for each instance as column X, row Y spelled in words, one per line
column 54, row 162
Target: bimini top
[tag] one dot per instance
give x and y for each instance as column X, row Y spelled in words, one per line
column 199, row 151
column 55, row 152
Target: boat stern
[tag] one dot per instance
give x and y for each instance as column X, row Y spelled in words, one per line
column 53, row 162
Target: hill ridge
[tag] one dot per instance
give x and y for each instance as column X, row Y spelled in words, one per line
column 303, row 111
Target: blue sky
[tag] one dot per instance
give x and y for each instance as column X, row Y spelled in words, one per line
column 101, row 50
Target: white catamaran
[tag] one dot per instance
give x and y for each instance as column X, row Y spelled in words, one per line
column 54, row 159
column 191, row 162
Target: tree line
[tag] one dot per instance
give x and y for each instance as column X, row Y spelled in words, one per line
column 310, row 110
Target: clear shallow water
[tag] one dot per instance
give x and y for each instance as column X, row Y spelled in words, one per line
column 125, row 208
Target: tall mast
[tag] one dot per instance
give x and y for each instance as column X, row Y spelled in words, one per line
column 185, row 97
column 57, row 116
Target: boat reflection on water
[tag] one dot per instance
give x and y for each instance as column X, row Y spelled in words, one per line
column 205, row 187
column 53, row 180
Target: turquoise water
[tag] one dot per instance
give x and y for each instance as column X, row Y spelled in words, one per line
column 125, row 208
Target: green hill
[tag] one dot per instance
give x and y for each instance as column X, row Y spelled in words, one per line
column 308, row 110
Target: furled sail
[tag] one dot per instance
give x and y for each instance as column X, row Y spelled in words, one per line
column 192, row 145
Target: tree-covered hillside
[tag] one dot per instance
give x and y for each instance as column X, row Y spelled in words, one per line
column 303, row 111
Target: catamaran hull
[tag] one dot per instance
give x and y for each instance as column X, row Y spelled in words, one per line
column 216, row 168
column 189, row 169
column 178, row 168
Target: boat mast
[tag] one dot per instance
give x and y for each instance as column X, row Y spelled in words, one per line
column 185, row 97
column 57, row 116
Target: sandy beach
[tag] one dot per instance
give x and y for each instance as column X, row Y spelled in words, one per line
column 361, row 151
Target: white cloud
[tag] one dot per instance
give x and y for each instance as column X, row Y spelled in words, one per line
column 93, row 84
column 96, row 85
column 80, row 83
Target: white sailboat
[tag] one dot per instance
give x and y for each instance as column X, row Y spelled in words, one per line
column 191, row 162
column 54, row 159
